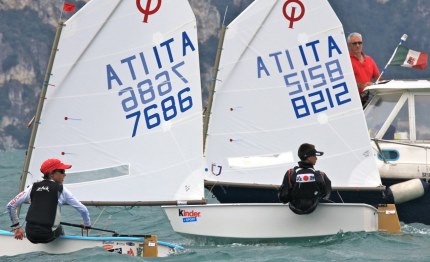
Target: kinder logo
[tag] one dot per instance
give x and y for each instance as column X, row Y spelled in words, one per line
column 192, row 213
column 188, row 216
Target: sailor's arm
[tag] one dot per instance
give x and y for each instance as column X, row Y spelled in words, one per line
column 327, row 185
column 11, row 207
column 68, row 198
column 17, row 201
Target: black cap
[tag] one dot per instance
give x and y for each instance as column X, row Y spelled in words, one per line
column 306, row 150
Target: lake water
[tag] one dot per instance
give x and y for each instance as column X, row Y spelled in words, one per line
column 412, row 245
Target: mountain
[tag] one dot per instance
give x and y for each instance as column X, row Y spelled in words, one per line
column 27, row 29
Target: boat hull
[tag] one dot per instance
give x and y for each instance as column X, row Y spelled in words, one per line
column 269, row 221
column 132, row 246
column 414, row 211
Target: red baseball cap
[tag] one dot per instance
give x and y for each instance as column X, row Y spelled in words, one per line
column 52, row 164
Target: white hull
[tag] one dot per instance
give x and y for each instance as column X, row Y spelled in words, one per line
column 270, row 221
column 132, row 246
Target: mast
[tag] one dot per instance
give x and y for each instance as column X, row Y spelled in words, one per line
column 207, row 114
column 36, row 118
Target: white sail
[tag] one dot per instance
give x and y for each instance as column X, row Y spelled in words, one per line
column 123, row 105
column 284, row 79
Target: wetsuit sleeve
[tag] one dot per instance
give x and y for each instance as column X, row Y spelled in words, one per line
column 327, row 185
column 67, row 198
column 23, row 197
column 285, row 188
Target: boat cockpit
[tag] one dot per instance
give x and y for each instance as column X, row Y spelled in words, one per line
column 398, row 119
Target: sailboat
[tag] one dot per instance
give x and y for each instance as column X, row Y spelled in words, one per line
column 121, row 102
column 284, row 78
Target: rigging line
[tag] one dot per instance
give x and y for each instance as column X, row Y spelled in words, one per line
column 337, row 191
column 225, row 14
column 110, row 213
column 211, row 189
column 108, row 222
column 109, row 218
column 98, row 217
column 61, row 11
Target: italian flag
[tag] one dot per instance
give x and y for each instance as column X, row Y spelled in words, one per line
column 409, row 58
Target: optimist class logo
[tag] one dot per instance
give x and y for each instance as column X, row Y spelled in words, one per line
column 292, row 16
column 147, row 11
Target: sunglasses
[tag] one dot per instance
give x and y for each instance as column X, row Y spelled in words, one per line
column 357, row 43
column 62, row 171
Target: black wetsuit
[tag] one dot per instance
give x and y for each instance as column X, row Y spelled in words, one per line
column 303, row 187
column 43, row 212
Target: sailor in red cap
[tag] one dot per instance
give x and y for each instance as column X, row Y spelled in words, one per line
column 46, row 198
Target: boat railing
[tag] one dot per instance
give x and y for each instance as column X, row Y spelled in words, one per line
column 399, row 143
column 426, row 148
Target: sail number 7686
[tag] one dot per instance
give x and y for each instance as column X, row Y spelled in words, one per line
column 146, row 93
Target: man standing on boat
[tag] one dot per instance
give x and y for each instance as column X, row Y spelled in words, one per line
column 46, row 198
column 303, row 186
column 365, row 69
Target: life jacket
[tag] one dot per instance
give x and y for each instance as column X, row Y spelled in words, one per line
column 284, row 194
column 305, row 183
column 44, row 203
